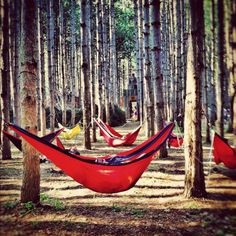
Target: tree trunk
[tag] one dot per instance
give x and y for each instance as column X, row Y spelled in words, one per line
column 5, row 80
column 137, row 60
column 213, row 65
column 156, row 68
column 31, row 170
column 232, row 65
column 140, row 58
column 178, row 57
column 173, row 61
column 42, row 68
column 85, row 72
column 147, row 83
column 99, row 58
column 73, row 67
column 221, row 73
column 93, row 67
column 1, row 64
column 194, row 176
column 50, row 38
column 105, row 68
column 233, row 70
column 16, row 66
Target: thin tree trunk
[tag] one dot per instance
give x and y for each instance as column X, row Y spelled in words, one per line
column 38, row 88
column 31, row 169
column 213, row 65
column 85, row 72
column 99, row 57
column 178, row 57
column 232, row 65
column 16, row 67
column 156, row 68
column 93, row 68
column 50, row 39
column 147, row 84
column 113, row 63
column 42, row 68
column 194, row 176
column 73, row 68
column 5, row 80
column 140, row 56
column 105, row 75
column 221, row 73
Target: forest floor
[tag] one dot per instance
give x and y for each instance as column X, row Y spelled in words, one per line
column 154, row 206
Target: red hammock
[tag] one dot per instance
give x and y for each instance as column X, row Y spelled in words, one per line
column 109, row 174
column 115, row 139
column 18, row 143
column 222, row 152
column 175, row 141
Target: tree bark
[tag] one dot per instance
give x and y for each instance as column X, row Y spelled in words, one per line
column 221, row 73
column 147, row 83
column 50, row 38
column 16, row 66
column 5, row 80
column 85, row 73
column 156, row 68
column 31, row 170
column 73, row 66
column 42, row 68
column 194, row 176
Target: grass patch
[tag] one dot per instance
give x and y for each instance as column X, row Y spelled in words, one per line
column 10, row 205
column 55, row 203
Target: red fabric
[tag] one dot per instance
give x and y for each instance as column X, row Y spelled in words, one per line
column 114, row 140
column 175, row 142
column 59, row 143
column 98, row 176
column 15, row 140
column 18, row 143
column 115, row 133
column 222, row 152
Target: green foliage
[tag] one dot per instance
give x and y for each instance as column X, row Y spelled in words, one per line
column 9, row 205
column 29, row 206
column 55, row 203
column 124, row 20
column 137, row 213
column 117, row 208
column 117, row 117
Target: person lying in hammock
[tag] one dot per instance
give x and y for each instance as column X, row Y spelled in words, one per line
column 73, row 150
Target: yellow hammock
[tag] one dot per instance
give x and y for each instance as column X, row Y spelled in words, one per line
column 70, row 133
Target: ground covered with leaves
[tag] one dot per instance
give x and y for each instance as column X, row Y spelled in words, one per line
column 154, row 206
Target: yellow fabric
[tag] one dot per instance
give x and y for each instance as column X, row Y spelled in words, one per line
column 71, row 133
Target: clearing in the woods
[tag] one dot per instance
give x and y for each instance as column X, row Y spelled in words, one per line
column 154, row 206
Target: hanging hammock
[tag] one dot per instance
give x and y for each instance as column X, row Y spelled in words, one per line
column 108, row 174
column 18, row 142
column 70, row 133
column 175, row 141
column 223, row 152
column 115, row 139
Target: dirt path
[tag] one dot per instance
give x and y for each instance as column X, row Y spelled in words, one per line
column 154, row 206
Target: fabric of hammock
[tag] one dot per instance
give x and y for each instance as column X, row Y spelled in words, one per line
column 70, row 133
column 223, row 152
column 103, row 174
column 113, row 138
column 175, row 141
column 18, row 142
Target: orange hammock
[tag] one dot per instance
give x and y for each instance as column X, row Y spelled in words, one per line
column 222, row 152
column 108, row 174
column 115, row 139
